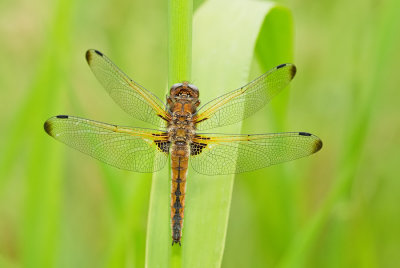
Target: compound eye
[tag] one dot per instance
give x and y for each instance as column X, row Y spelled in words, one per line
column 175, row 86
column 193, row 87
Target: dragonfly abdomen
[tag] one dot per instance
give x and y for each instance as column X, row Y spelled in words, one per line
column 179, row 163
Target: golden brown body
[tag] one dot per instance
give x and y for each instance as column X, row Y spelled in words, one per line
column 182, row 104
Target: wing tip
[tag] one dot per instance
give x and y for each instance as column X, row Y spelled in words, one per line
column 293, row 70
column 292, row 67
column 317, row 145
column 47, row 127
column 89, row 54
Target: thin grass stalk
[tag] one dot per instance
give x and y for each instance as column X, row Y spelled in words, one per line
column 179, row 40
column 158, row 246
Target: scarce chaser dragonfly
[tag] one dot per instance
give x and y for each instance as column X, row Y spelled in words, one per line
column 178, row 137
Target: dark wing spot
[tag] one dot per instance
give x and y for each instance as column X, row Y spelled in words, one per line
column 280, row 66
column 47, row 127
column 62, row 116
column 197, row 148
column 304, row 134
column 317, row 146
column 163, row 146
column 98, row 53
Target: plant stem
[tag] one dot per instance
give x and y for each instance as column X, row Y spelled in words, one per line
column 158, row 248
column 179, row 40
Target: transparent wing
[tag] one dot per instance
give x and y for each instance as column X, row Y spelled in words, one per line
column 227, row 154
column 132, row 97
column 241, row 103
column 135, row 149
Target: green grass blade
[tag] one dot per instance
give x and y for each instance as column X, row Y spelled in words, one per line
column 180, row 41
column 226, row 34
column 158, row 247
column 261, row 214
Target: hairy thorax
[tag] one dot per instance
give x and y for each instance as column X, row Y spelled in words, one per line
column 182, row 105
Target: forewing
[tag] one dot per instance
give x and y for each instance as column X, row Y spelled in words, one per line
column 135, row 149
column 241, row 103
column 228, row 154
column 132, row 97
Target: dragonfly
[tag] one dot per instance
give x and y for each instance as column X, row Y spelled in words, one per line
column 178, row 135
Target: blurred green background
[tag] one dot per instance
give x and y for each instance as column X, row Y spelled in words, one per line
column 338, row 208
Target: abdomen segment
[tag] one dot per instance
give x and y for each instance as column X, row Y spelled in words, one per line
column 179, row 163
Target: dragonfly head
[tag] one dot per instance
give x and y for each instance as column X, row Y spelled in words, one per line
column 184, row 89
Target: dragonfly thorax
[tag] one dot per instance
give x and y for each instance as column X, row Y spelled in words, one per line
column 181, row 130
column 181, row 127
